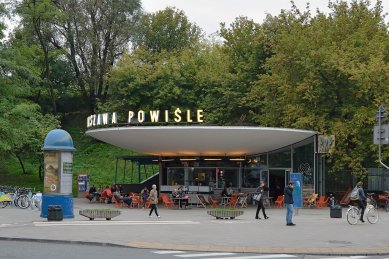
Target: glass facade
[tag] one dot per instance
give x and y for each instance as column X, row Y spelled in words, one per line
column 273, row 168
column 303, row 160
column 215, row 177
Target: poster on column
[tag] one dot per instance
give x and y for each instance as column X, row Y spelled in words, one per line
column 298, row 190
column 66, row 172
column 51, row 179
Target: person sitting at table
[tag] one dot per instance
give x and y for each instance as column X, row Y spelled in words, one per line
column 92, row 193
column 126, row 200
column 225, row 192
column 181, row 194
column 175, row 195
column 145, row 195
column 107, row 194
column 230, row 191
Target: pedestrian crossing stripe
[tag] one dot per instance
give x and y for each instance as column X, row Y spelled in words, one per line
column 164, row 252
column 204, row 254
column 183, row 254
column 269, row 256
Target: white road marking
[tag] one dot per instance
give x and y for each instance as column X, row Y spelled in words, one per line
column 6, row 225
column 110, row 223
column 257, row 256
column 164, row 252
column 203, row 255
column 346, row 257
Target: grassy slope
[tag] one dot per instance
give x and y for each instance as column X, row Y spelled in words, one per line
column 92, row 157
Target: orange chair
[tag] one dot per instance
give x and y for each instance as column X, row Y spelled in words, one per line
column 103, row 196
column 167, row 202
column 322, row 202
column 106, row 195
column 86, row 195
column 233, row 201
column 118, row 202
column 214, row 203
column 148, row 203
column 345, row 200
column 201, row 201
column 135, row 201
column 279, row 202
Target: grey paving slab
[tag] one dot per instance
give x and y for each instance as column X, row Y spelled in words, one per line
column 193, row 229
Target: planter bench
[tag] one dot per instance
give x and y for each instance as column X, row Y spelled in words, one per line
column 99, row 213
column 225, row 213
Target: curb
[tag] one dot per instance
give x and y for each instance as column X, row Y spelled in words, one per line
column 55, row 241
column 322, row 251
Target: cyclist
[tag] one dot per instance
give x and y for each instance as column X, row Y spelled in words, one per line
column 361, row 199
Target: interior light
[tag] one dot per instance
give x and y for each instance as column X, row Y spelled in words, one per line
column 237, row 159
column 187, row 159
column 212, row 159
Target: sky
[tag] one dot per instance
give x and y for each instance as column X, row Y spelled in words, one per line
column 208, row 14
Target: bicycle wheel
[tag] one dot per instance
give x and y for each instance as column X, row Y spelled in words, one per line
column 23, row 202
column 352, row 216
column 372, row 215
column 4, row 204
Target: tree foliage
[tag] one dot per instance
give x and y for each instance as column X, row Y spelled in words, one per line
column 328, row 73
column 22, row 125
column 166, row 30
column 91, row 35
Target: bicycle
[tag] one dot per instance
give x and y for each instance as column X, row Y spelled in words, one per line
column 354, row 213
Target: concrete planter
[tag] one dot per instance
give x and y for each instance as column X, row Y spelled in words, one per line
column 225, row 213
column 99, row 213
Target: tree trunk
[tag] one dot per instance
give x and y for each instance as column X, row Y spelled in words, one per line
column 21, row 164
column 40, row 170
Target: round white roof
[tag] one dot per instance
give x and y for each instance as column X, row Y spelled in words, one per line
column 200, row 140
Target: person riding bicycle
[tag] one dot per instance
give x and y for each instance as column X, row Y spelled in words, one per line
column 361, row 199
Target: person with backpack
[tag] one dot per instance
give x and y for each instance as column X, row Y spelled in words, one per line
column 358, row 196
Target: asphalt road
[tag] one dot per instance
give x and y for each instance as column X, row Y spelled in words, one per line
column 43, row 250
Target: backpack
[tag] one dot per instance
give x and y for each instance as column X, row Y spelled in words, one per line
column 354, row 195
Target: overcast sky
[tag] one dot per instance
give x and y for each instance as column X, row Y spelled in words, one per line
column 208, row 14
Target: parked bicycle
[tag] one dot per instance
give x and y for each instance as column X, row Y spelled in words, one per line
column 19, row 197
column 354, row 212
column 370, row 197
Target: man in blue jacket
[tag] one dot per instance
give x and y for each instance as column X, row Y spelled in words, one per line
column 361, row 200
column 288, row 200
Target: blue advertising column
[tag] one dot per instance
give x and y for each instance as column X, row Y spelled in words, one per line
column 58, row 160
column 298, row 190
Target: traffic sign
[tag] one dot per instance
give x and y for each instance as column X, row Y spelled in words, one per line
column 381, row 134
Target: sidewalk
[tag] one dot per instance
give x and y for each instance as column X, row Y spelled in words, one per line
column 192, row 229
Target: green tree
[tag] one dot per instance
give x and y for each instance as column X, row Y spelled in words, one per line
column 91, row 35
column 166, row 30
column 161, row 71
column 22, row 125
column 328, row 73
column 239, row 61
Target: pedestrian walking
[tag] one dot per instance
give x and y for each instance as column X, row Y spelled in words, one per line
column 260, row 190
column 154, row 201
column 288, row 200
